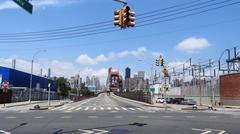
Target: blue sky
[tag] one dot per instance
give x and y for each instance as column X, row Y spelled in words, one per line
column 201, row 36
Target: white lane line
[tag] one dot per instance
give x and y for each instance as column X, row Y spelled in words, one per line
column 86, row 108
column 118, row 117
column 101, row 108
column 66, row 107
column 71, row 108
column 10, row 117
column 143, row 117
column 57, row 108
column 139, row 109
column 92, row 117
column 79, row 108
column 116, row 108
column 132, row 109
column 213, row 117
column 38, row 117
column 109, row 108
column 190, row 116
column 66, row 117
column 94, row 108
column 124, row 108
column 67, row 111
column 167, row 116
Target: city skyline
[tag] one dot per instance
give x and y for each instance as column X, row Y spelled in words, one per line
column 93, row 55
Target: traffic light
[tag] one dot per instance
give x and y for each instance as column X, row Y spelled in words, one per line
column 129, row 17
column 118, row 17
column 157, row 62
column 161, row 62
column 165, row 72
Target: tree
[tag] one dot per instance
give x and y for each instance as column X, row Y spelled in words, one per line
column 62, row 85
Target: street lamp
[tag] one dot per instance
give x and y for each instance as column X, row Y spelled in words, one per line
column 30, row 87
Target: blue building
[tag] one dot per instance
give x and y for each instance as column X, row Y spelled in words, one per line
column 18, row 78
column 127, row 73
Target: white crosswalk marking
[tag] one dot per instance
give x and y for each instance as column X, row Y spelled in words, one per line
column 139, row 109
column 79, row 108
column 132, row 109
column 124, row 108
column 99, row 108
column 71, row 108
column 86, row 108
column 63, row 108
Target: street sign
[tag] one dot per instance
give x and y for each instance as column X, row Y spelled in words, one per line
column 152, row 89
column 25, row 5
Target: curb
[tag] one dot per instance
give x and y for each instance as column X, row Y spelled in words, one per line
column 24, row 104
column 138, row 102
column 39, row 109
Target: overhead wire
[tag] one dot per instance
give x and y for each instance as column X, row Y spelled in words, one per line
column 101, row 30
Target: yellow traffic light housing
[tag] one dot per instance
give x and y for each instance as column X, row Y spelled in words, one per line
column 124, row 17
column 118, row 17
column 165, row 72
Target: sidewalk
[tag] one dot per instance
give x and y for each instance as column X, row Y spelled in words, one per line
column 53, row 103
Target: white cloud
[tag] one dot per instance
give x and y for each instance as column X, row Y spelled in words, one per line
column 9, row 4
column 84, row 59
column 58, row 68
column 192, row 44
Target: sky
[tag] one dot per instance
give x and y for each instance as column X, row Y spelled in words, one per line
column 200, row 37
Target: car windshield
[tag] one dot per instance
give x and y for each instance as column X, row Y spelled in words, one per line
column 119, row 66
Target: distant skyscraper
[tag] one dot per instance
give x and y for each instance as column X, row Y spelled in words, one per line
column 127, row 73
column 49, row 72
column 14, row 63
column 141, row 74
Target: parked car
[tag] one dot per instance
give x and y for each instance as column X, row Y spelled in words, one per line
column 159, row 100
column 188, row 102
column 177, row 100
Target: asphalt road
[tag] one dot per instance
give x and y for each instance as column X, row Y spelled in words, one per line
column 106, row 114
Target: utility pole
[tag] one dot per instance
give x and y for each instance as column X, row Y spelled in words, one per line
column 49, row 94
column 200, row 84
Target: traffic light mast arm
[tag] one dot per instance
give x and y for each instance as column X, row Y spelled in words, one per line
column 121, row 1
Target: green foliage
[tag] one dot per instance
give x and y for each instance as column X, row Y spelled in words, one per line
column 87, row 93
column 62, row 85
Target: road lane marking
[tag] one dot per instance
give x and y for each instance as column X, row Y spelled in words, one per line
column 143, row 117
column 209, row 130
column 116, row 108
column 191, row 116
column 4, row 132
column 101, row 108
column 213, row 117
column 66, row 117
column 94, row 108
column 38, row 117
column 93, row 131
column 10, row 117
column 86, row 108
column 118, row 117
column 167, row 116
column 109, row 108
column 132, row 109
column 63, row 108
column 79, row 108
column 71, row 108
column 124, row 108
column 67, row 111
column 139, row 109
column 92, row 117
